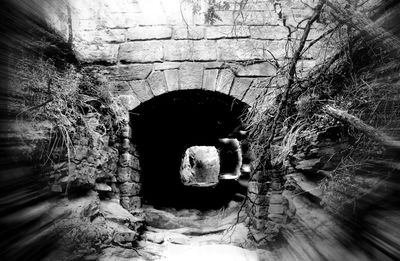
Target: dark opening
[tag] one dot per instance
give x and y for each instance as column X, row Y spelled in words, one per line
column 165, row 126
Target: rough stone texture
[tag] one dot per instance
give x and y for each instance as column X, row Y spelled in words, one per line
column 90, row 53
column 258, row 199
column 128, row 160
column 129, row 189
column 275, row 209
column 190, row 76
column 200, row 166
column 148, row 51
column 220, row 32
column 172, row 79
column 157, row 83
column 126, row 132
column 148, row 33
column 257, row 188
column 248, row 49
column 224, row 82
column 120, row 88
column 276, row 199
column 131, row 72
column 210, row 79
column 258, row 69
column 101, row 36
column 252, row 95
column 126, row 174
column 142, row 90
column 240, row 86
column 131, row 203
column 269, row 32
column 184, row 50
column 129, row 102
column 185, row 32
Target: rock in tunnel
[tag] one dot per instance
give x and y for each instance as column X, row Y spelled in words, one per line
column 164, row 127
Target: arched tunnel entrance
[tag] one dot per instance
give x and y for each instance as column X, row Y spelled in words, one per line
column 165, row 126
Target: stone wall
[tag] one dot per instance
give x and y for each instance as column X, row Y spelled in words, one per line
column 150, row 47
column 146, row 48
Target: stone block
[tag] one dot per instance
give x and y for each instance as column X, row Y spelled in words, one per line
column 100, row 36
column 240, row 86
column 220, row 32
column 258, row 223
column 125, row 144
column 126, row 132
column 185, row 50
column 276, row 199
column 129, row 189
column 120, row 88
column 257, row 188
column 126, row 174
column 247, row 49
column 131, row 72
column 258, row 199
column 128, row 160
column 259, row 211
column 258, row 69
column 224, row 82
column 157, row 83
column 142, row 90
column 91, row 53
column 239, row 50
column 254, row 94
column 276, row 185
column 143, row 51
column 123, row 174
column 190, row 76
column 275, row 209
column 172, row 79
column 269, row 32
column 131, row 203
column 256, row 17
column 277, row 218
column 149, row 33
column 210, row 79
column 188, row 32
column 129, row 102
column 227, row 18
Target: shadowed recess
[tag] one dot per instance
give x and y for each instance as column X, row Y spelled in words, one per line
column 165, row 126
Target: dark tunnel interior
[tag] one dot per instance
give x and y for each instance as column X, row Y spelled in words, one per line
column 164, row 127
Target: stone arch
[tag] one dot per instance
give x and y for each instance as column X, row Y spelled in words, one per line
column 244, row 83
